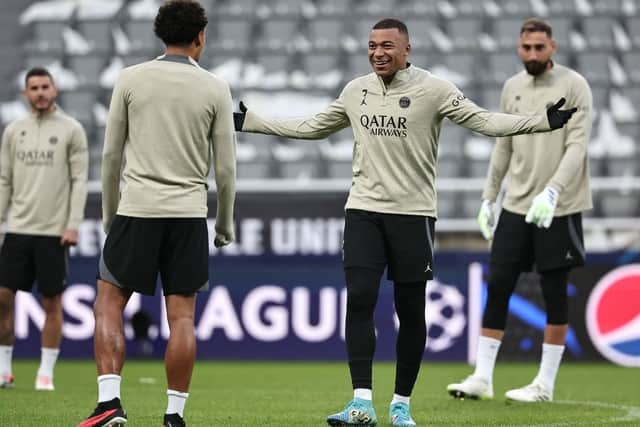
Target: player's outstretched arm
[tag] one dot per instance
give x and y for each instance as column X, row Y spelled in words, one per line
column 455, row 106
column 319, row 126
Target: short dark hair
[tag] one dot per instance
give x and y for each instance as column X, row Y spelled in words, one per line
column 388, row 23
column 533, row 25
column 178, row 22
column 38, row 72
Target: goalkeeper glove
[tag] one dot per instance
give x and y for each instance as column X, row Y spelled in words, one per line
column 238, row 118
column 542, row 208
column 486, row 219
column 557, row 117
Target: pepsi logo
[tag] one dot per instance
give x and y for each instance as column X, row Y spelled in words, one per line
column 613, row 315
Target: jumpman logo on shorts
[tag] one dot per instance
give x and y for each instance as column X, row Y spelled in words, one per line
column 428, row 269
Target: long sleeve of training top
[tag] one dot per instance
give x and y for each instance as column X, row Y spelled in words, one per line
column 499, row 162
column 396, row 130
column 167, row 120
column 6, row 173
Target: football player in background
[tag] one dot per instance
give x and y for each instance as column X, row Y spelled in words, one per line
column 541, row 221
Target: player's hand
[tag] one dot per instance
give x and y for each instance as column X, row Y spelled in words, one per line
column 486, row 219
column 69, row 237
column 542, row 208
column 557, row 117
column 238, row 118
column 221, row 240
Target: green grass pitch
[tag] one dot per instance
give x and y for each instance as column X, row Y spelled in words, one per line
column 303, row 394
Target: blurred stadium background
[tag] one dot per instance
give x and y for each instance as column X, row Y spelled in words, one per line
column 277, row 293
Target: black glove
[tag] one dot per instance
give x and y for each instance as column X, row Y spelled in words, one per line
column 557, row 117
column 238, row 118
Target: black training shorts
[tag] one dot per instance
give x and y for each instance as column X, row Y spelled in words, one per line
column 136, row 249
column 559, row 246
column 27, row 258
column 403, row 243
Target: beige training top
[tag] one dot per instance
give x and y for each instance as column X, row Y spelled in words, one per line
column 557, row 159
column 169, row 116
column 43, row 174
column 396, row 129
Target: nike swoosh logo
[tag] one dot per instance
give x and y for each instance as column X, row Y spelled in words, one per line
column 94, row 420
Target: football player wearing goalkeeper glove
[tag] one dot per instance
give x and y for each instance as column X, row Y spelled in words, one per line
column 540, row 224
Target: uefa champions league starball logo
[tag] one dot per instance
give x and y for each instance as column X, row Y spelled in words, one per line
column 444, row 314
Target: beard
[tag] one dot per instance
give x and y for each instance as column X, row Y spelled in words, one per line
column 535, row 68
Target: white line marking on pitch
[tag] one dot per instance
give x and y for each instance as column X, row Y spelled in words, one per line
column 632, row 413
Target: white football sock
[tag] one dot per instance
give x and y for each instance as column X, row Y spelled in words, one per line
column 549, row 365
column 176, row 401
column 486, row 357
column 6, row 352
column 48, row 361
column 363, row 393
column 400, row 399
column 108, row 387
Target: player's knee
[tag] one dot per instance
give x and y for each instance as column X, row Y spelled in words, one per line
column 499, row 289
column 554, row 292
column 6, row 306
column 362, row 289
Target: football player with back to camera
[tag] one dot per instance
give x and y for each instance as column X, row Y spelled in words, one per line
column 43, row 185
column 396, row 113
column 168, row 121
column 547, row 189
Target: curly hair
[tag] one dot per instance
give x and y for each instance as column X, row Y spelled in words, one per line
column 179, row 21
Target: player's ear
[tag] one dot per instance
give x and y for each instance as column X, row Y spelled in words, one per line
column 200, row 39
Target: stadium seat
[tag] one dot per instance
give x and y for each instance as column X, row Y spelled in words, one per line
column 253, row 154
column 594, row 67
column 79, row 104
column 633, row 29
column 448, row 204
column 297, row 160
column 277, row 35
column 97, row 33
column 465, row 64
column 412, row 8
column 337, row 154
column 516, row 8
column 234, row 35
column 561, row 27
column 464, row 32
column 419, row 33
column 47, row 36
column 338, row 8
column 325, row 34
column 562, row 8
column 469, row 7
column 236, row 8
column 87, row 67
column 141, row 35
column 373, row 8
column 501, row 66
column 470, row 203
column 618, row 204
column 606, row 7
column 632, row 65
column 597, row 32
column 506, row 32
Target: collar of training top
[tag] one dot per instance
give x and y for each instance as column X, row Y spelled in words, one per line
column 177, row 58
column 46, row 114
column 400, row 76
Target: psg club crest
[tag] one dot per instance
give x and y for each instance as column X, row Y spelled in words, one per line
column 613, row 315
